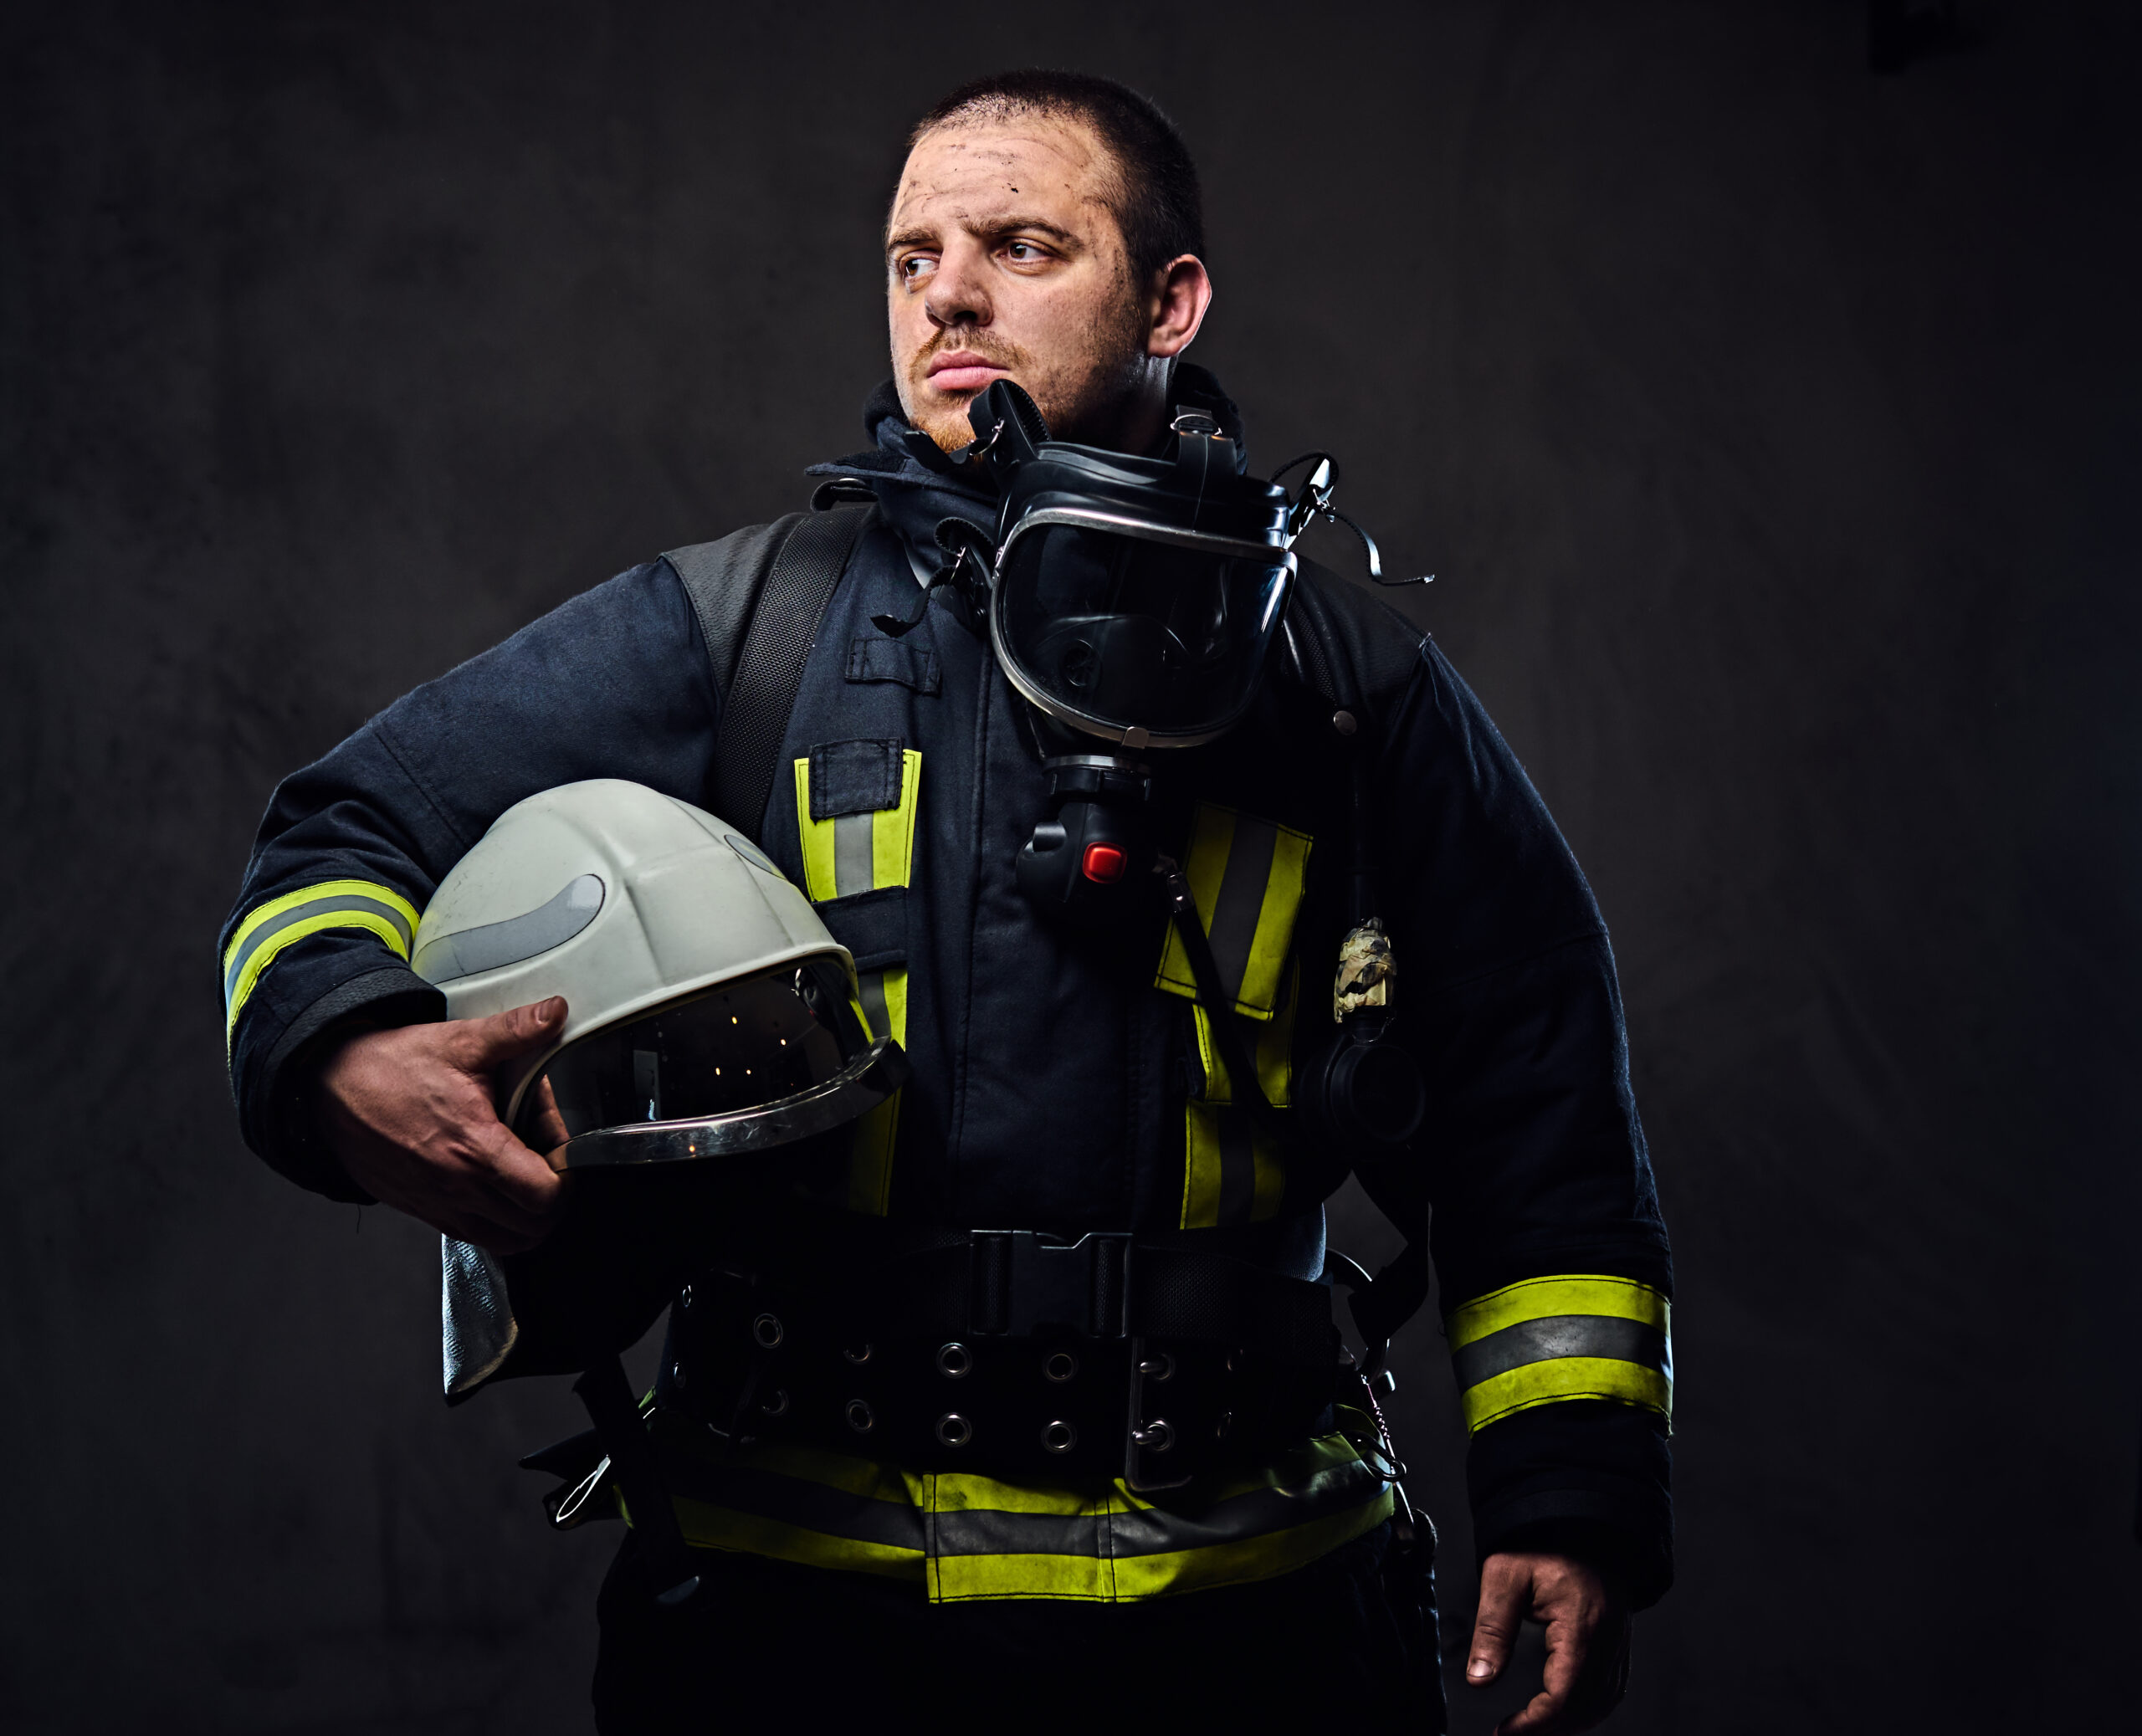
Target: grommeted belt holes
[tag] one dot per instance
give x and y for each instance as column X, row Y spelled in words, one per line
column 954, row 1361
column 1059, row 1365
column 954, row 1430
column 1154, row 1437
column 858, row 1354
column 1157, row 1368
column 767, row 1330
column 860, row 1417
column 777, row 1404
column 1058, row 1437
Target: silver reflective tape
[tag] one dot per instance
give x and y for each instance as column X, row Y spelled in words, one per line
column 496, row 945
column 316, row 907
column 1605, row 1336
column 854, row 867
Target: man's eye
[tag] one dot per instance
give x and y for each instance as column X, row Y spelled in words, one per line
column 917, row 265
column 1023, row 252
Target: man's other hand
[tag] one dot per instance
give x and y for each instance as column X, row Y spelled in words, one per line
column 1587, row 1640
column 408, row 1112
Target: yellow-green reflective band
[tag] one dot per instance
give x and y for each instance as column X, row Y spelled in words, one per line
column 1233, row 1172
column 1548, row 1339
column 967, row 1537
column 1536, row 1298
column 267, row 932
column 858, row 852
column 708, row 1527
column 843, row 856
column 1245, row 876
column 1567, row 1377
column 1118, row 1548
column 870, row 1164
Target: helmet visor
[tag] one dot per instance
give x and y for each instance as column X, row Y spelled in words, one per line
column 719, row 1059
column 1135, row 631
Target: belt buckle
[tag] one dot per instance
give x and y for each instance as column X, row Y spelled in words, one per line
column 1022, row 1280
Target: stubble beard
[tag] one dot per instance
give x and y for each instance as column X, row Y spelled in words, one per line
column 1083, row 400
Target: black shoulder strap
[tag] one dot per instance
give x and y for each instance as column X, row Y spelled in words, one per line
column 759, row 594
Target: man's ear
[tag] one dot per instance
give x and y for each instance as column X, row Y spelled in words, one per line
column 1182, row 292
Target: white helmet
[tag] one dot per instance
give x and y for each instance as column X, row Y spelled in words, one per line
column 709, row 1012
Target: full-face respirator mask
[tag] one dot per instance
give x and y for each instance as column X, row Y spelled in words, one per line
column 1133, row 602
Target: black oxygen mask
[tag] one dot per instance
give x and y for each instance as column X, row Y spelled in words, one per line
column 1133, row 602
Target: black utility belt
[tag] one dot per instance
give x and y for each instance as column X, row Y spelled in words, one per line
column 1015, row 1353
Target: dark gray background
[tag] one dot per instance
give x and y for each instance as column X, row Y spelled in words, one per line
column 1771, row 428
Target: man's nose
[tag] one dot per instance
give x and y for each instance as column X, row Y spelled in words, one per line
column 958, row 293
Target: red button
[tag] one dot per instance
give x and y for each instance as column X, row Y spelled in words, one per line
column 1103, row 862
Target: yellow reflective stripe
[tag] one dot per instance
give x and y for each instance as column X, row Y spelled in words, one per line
column 827, row 1509
column 271, row 948
column 1202, row 1165
column 708, row 1526
column 870, row 1164
column 1233, row 1172
column 1250, row 951
column 1212, row 836
column 892, row 835
column 1566, row 1377
column 817, row 836
column 1107, row 1575
column 892, row 829
column 307, row 895
column 1539, row 1298
column 882, row 994
column 1275, row 1058
column 1275, row 919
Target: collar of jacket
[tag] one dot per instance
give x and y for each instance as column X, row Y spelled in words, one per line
column 918, row 487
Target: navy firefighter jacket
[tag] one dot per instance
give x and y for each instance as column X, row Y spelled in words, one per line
column 1061, row 1080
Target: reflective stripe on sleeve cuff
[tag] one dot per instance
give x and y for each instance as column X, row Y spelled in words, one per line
column 361, row 905
column 1547, row 1339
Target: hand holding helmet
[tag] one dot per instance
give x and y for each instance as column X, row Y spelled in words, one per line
column 409, row 1113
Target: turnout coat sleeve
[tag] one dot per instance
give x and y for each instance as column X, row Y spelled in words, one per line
column 613, row 684
column 1531, row 1173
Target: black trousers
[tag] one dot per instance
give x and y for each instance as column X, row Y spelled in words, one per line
column 806, row 1649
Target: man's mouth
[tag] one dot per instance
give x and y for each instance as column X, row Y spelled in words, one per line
column 963, row 370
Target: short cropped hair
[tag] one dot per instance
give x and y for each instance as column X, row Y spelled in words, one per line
column 1157, row 203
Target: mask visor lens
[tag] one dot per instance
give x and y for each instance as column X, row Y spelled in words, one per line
column 1137, row 633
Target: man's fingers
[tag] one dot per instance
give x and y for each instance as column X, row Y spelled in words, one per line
column 482, row 1045
column 1548, row 1712
column 1505, row 1595
column 523, row 1179
column 548, row 1126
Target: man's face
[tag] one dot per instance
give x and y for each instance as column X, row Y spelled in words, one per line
column 1005, row 261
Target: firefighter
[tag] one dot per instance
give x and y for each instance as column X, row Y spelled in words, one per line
column 1179, row 879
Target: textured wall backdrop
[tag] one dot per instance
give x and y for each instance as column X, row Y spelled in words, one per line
column 1772, row 429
